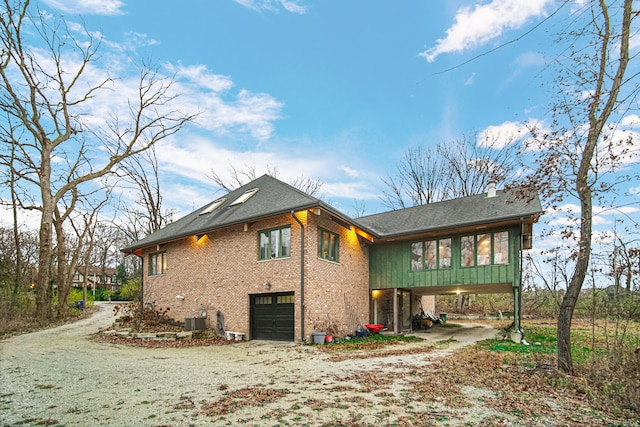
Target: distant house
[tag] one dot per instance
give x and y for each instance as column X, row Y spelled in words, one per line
column 276, row 263
column 98, row 277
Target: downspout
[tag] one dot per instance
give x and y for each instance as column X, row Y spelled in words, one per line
column 301, row 275
column 517, row 318
column 141, row 281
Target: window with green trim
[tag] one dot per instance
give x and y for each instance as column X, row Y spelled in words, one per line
column 484, row 249
column 444, row 253
column 431, row 254
column 328, row 245
column 501, row 247
column 157, row 264
column 274, row 243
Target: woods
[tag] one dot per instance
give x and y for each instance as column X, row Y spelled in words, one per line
column 55, row 159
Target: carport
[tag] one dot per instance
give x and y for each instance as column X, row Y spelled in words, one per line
column 471, row 245
column 396, row 307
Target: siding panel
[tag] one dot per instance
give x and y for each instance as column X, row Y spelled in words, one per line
column 390, row 266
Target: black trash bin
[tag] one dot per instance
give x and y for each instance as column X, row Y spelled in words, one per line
column 80, row 304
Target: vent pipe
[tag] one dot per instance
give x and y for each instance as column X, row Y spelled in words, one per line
column 491, row 191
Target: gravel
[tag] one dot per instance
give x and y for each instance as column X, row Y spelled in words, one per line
column 61, row 376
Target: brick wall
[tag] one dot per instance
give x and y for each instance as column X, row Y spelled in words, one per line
column 221, row 270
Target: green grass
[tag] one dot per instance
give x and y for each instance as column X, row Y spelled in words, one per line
column 543, row 340
column 371, row 341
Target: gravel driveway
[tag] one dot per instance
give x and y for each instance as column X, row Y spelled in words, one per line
column 61, row 377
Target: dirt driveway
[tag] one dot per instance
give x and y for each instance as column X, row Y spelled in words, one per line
column 61, row 377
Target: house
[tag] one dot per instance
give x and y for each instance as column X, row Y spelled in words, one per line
column 99, row 277
column 275, row 263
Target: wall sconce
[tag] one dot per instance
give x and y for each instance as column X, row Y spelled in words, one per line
column 375, row 293
column 267, row 285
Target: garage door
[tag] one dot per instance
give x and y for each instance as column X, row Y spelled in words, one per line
column 272, row 316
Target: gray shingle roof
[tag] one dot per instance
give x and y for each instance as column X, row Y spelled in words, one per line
column 449, row 214
column 274, row 197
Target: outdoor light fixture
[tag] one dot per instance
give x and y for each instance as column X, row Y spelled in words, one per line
column 267, row 285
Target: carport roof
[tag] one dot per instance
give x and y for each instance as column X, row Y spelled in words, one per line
column 456, row 213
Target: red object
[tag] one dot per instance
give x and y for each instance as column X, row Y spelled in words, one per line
column 328, row 339
column 374, row 328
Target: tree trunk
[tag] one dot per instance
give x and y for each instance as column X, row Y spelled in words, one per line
column 63, row 278
column 44, row 284
column 603, row 102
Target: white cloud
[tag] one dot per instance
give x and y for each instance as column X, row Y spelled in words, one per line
column 499, row 136
column 88, row 7
column 221, row 110
column 293, row 6
column 186, row 161
column 27, row 219
column 201, row 76
column 477, row 26
column 349, row 171
column 530, row 59
column 630, row 120
column 471, row 80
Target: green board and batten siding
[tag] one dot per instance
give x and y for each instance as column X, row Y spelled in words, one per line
column 390, row 266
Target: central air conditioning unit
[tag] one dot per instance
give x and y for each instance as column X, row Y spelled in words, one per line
column 195, row 323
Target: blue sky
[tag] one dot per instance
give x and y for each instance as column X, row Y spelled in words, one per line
column 332, row 90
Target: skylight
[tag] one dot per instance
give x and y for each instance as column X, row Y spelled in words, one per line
column 244, row 197
column 213, row 206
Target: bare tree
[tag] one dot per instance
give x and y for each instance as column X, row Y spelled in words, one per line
column 44, row 97
column 239, row 177
column 624, row 264
column 584, row 145
column 420, row 178
column 458, row 168
column 148, row 215
column 470, row 163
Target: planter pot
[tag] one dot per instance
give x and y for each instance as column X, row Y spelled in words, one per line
column 318, row 337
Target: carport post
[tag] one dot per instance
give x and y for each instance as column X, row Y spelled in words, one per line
column 396, row 315
column 516, row 308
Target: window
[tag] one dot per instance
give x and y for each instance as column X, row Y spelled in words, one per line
column 245, row 196
column 416, row 256
column 213, row 206
column 157, row 264
column 444, row 253
column 327, row 245
column 485, row 249
column 467, row 251
column 274, row 243
column 483, row 243
column 285, row 299
column 266, row 300
column 501, row 247
column 431, row 254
